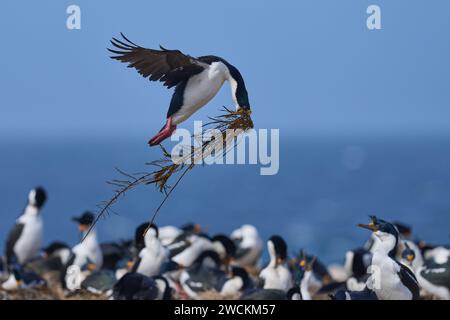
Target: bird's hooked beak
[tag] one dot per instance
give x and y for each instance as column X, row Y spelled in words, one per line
column 371, row 226
column 304, row 264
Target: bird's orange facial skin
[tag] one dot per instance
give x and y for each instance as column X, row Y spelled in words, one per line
column 130, row 265
column 197, row 228
column 91, row 267
column 83, row 227
column 371, row 226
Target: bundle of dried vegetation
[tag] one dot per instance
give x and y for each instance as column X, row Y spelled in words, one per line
column 225, row 128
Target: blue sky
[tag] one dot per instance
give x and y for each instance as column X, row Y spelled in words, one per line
column 311, row 66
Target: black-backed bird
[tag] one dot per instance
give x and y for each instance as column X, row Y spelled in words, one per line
column 434, row 279
column 153, row 255
column 390, row 280
column 136, row 286
column 237, row 282
column 276, row 275
column 54, row 257
column 99, row 282
column 203, row 275
column 196, row 80
column 24, row 240
column 21, row 278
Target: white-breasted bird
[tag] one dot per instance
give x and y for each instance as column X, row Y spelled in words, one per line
column 153, row 255
column 249, row 245
column 276, row 275
column 390, row 280
column 24, row 240
column 88, row 252
column 196, row 80
column 433, row 278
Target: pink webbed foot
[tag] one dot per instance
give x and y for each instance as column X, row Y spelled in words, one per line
column 164, row 133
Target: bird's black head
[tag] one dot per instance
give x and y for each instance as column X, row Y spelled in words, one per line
column 208, row 258
column 279, row 246
column 191, row 228
column 300, row 265
column 241, row 273
column 377, row 224
column 306, row 263
column 85, row 220
column 37, row 197
column 385, row 231
column 408, row 254
column 53, row 247
column 139, row 235
column 227, row 243
column 237, row 83
column 294, row 293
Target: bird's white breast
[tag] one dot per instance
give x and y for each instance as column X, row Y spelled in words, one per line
column 152, row 258
column 200, row 89
column 232, row 286
column 276, row 278
column 386, row 282
column 27, row 246
column 88, row 251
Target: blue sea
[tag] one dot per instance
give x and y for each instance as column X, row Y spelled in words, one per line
column 325, row 186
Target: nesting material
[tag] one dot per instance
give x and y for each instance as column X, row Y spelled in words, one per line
column 226, row 128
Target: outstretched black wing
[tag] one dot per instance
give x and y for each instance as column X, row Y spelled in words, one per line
column 168, row 66
column 13, row 236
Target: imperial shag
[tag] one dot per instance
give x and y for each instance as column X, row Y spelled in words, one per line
column 196, row 80
column 24, row 240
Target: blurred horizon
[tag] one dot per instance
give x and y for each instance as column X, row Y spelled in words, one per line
column 323, row 189
column 364, row 116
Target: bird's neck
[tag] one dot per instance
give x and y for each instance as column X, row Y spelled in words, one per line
column 384, row 251
column 152, row 243
column 30, row 214
column 31, row 210
column 233, row 86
